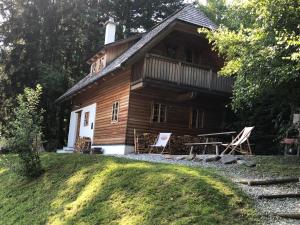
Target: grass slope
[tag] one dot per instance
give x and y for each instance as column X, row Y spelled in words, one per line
column 278, row 165
column 84, row 189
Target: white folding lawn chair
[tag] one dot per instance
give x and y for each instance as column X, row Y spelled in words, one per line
column 240, row 143
column 161, row 142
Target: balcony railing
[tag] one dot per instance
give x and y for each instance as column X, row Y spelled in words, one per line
column 181, row 73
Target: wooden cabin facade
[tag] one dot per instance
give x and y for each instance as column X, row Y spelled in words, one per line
column 163, row 81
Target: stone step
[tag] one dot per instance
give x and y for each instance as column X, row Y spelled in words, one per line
column 65, row 150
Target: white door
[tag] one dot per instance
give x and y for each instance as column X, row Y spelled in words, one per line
column 86, row 126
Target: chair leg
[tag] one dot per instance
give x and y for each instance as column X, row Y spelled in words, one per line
column 249, row 147
column 151, row 148
column 191, row 151
column 226, row 149
column 217, row 149
column 233, row 149
column 163, row 150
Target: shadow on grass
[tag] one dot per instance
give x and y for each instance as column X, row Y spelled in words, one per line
column 79, row 189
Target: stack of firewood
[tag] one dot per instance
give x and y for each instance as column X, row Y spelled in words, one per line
column 143, row 141
column 83, row 144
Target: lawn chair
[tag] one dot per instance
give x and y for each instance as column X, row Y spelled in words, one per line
column 240, row 143
column 161, row 142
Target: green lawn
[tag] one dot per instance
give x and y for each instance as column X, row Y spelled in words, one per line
column 278, row 165
column 84, row 189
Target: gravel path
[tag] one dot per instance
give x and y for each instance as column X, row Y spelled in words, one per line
column 265, row 207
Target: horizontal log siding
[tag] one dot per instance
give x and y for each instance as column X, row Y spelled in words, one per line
column 111, row 89
column 178, row 113
column 114, row 52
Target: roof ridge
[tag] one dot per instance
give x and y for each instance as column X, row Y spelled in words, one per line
column 168, row 17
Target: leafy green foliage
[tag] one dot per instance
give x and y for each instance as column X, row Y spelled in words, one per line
column 261, row 50
column 95, row 189
column 26, row 132
column 216, row 10
column 262, row 55
column 47, row 42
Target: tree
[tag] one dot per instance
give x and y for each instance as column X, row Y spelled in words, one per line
column 26, row 132
column 262, row 53
column 48, row 41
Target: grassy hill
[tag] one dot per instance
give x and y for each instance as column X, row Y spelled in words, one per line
column 95, row 189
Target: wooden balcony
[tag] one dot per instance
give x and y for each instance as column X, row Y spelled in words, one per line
column 181, row 74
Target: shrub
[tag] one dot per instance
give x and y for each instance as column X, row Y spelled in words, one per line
column 26, row 132
column 3, row 145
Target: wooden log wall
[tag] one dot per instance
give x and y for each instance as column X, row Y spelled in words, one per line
column 113, row 88
column 178, row 113
column 114, row 52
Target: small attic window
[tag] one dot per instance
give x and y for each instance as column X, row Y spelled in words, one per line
column 98, row 65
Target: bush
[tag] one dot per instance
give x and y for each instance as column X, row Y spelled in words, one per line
column 26, row 132
column 3, row 146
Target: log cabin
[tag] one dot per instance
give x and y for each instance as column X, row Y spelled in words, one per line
column 162, row 81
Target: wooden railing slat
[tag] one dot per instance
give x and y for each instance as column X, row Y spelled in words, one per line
column 182, row 73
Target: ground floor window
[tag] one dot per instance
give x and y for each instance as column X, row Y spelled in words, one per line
column 197, row 118
column 115, row 112
column 159, row 113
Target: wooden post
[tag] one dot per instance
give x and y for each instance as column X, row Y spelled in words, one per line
column 288, row 195
column 178, row 75
column 191, row 151
column 135, row 141
column 295, row 216
column 146, row 62
column 217, row 150
column 270, row 181
column 210, row 79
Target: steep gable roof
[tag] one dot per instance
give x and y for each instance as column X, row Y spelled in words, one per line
column 188, row 14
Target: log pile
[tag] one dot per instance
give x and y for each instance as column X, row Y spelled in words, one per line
column 83, row 144
column 143, row 140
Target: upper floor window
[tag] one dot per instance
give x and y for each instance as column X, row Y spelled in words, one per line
column 192, row 56
column 159, row 113
column 86, row 119
column 98, row 65
column 115, row 112
column 189, row 56
column 197, row 118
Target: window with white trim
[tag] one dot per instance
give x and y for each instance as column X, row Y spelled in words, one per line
column 115, row 112
column 159, row 113
column 197, row 118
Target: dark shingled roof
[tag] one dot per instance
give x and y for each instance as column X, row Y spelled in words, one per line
column 188, row 14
